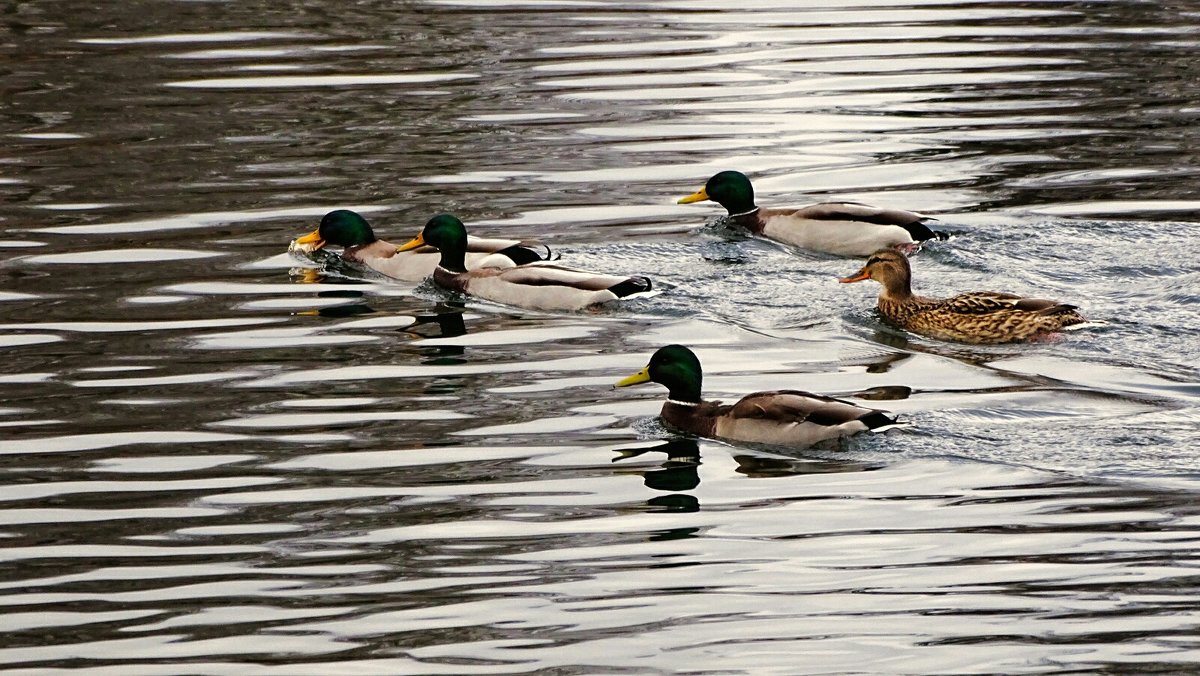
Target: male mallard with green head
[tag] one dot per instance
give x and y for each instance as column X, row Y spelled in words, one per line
column 779, row 417
column 978, row 317
column 537, row 287
column 352, row 232
column 840, row 228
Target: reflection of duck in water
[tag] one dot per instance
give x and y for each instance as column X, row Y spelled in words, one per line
column 780, row 417
column 841, row 228
column 351, row 231
column 538, row 287
column 977, row 317
column 445, row 321
column 678, row 473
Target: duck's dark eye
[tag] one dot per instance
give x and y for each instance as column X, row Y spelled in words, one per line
column 873, row 260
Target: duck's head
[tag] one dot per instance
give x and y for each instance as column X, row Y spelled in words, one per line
column 447, row 234
column 730, row 189
column 343, row 227
column 888, row 267
column 674, row 366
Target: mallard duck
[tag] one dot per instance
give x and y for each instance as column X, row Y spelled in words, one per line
column 537, row 287
column 840, row 228
column 351, row 231
column 780, row 417
column 978, row 317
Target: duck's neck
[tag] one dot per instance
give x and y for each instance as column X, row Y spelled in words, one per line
column 685, row 390
column 897, row 289
column 375, row 249
column 454, row 259
column 742, row 205
column 749, row 220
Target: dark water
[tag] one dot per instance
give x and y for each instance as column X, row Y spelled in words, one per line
column 217, row 462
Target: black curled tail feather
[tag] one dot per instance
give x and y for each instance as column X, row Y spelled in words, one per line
column 547, row 254
column 631, row 286
column 921, row 232
column 880, row 421
column 526, row 253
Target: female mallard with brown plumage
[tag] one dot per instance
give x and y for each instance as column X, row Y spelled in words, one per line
column 977, row 317
column 779, row 417
column 349, row 230
column 840, row 228
column 537, row 287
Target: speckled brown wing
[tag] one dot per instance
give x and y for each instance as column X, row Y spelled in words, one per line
column 987, row 302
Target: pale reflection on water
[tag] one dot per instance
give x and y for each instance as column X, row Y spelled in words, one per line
column 218, row 458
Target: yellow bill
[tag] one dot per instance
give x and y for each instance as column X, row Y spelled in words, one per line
column 313, row 237
column 642, row 376
column 417, row 241
column 698, row 196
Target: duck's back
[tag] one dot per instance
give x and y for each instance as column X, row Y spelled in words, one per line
column 550, row 287
column 840, row 228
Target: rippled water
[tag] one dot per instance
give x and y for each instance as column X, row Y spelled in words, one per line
column 218, row 461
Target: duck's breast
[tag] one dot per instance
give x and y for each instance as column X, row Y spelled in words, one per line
column 405, row 266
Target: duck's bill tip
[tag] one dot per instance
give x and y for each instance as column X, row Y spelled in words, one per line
column 860, row 277
column 694, row 197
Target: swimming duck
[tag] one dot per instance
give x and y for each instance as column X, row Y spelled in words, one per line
column 537, row 287
column 351, row 231
column 840, row 228
column 780, row 417
column 978, row 317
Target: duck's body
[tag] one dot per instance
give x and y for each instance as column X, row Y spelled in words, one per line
column 537, row 287
column 979, row 317
column 360, row 245
column 779, row 417
column 839, row 228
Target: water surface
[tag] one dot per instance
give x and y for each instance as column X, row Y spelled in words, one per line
column 219, row 460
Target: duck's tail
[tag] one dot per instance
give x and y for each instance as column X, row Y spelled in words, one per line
column 629, row 287
column 921, row 232
column 878, row 421
column 529, row 252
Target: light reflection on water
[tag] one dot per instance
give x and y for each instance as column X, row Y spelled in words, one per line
column 220, row 459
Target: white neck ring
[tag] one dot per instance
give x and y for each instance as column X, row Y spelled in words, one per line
column 683, row 403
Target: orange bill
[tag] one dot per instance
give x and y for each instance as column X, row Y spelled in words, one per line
column 860, row 276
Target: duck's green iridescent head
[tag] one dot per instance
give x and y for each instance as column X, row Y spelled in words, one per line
column 343, row 227
column 675, row 367
column 730, row 189
column 447, row 234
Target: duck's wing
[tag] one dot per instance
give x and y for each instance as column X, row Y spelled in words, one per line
column 792, row 406
column 857, row 212
column 987, row 302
